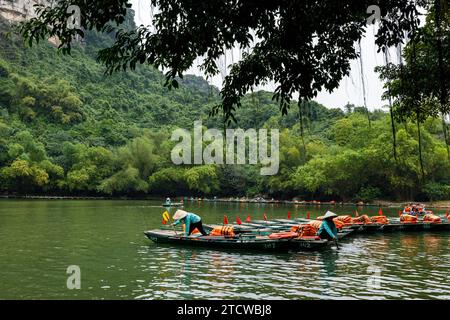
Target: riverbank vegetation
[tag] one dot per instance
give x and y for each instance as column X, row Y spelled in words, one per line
column 66, row 128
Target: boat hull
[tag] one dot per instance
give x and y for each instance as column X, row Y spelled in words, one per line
column 172, row 205
column 400, row 227
column 395, row 226
column 252, row 242
column 236, row 243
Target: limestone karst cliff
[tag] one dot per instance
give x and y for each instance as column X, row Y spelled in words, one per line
column 19, row 10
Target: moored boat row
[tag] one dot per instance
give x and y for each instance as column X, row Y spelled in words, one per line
column 392, row 226
column 289, row 234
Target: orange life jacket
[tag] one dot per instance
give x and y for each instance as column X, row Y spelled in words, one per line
column 316, row 224
column 223, row 231
column 432, row 218
column 364, row 219
column 284, row 235
column 345, row 219
column 407, row 218
column 338, row 223
column 408, row 209
column 304, row 230
column 380, row 219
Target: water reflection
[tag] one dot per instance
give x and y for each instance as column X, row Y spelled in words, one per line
column 344, row 274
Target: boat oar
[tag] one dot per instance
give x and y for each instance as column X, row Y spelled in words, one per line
column 337, row 244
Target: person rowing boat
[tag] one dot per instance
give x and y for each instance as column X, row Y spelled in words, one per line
column 190, row 220
column 328, row 229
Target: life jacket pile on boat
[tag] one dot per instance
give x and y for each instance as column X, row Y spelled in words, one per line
column 346, row 220
column 223, row 231
column 415, row 209
column 310, row 230
column 312, row 227
column 429, row 217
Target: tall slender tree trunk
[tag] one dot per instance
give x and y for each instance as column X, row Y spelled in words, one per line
column 308, row 117
column 443, row 89
column 420, row 149
column 300, row 112
column 444, row 127
column 400, row 63
column 363, row 83
column 417, row 101
column 394, row 139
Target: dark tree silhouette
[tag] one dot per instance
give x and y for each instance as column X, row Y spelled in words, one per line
column 303, row 46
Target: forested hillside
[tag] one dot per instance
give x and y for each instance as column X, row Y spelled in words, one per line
column 67, row 128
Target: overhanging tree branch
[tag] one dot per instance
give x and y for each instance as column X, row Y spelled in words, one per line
column 302, row 45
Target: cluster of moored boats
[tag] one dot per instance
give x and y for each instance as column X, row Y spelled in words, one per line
column 261, row 200
column 298, row 233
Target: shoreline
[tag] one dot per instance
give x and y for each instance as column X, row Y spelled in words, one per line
column 378, row 203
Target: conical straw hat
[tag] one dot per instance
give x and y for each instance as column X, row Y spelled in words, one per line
column 330, row 214
column 179, row 214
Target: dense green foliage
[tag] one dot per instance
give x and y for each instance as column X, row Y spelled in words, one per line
column 66, row 128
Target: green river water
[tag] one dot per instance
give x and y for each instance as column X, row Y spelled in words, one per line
column 41, row 239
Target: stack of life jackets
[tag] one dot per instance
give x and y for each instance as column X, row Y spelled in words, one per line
column 283, row 235
column 364, row 219
column 224, row 231
column 316, row 224
column 380, row 220
column 407, row 218
column 429, row 217
column 305, row 230
column 338, row 223
column 344, row 219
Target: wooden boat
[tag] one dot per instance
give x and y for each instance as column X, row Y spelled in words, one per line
column 272, row 226
column 252, row 242
column 173, row 204
column 275, row 225
column 238, row 229
column 395, row 225
column 305, row 244
column 241, row 241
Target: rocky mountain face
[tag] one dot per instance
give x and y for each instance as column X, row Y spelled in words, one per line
column 19, row 10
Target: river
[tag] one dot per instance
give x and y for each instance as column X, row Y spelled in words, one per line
column 40, row 239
